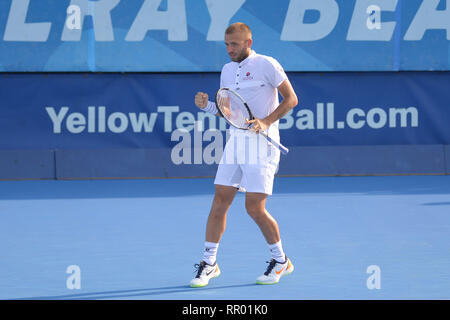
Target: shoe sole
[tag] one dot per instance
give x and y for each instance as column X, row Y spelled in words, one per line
column 284, row 274
column 266, row 283
column 204, row 285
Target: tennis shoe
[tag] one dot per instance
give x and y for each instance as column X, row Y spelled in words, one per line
column 205, row 272
column 275, row 271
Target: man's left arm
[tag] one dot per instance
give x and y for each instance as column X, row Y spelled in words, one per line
column 289, row 101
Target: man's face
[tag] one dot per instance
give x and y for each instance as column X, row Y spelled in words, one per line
column 238, row 46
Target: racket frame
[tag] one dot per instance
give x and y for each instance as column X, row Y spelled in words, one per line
column 282, row 148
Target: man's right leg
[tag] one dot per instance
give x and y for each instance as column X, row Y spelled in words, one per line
column 215, row 227
column 217, row 219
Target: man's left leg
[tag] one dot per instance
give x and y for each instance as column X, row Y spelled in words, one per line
column 280, row 265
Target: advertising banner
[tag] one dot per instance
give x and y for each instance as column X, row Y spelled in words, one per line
column 188, row 35
column 101, row 111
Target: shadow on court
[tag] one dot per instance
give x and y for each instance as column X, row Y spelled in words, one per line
column 133, row 293
column 437, row 204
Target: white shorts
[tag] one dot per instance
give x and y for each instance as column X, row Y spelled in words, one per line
column 249, row 162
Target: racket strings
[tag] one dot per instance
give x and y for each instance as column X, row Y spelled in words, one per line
column 233, row 109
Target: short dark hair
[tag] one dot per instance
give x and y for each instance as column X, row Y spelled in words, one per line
column 239, row 27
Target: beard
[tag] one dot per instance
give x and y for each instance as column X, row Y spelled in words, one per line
column 240, row 56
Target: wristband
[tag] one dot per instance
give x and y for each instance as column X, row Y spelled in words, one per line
column 211, row 108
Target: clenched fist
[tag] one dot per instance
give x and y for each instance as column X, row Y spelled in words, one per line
column 201, row 100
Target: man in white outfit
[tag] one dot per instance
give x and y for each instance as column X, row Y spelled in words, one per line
column 258, row 79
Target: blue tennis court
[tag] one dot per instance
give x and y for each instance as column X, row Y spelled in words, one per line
column 139, row 239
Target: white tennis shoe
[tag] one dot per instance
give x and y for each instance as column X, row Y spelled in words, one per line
column 275, row 271
column 205, row 272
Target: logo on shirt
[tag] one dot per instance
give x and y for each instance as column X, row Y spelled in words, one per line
column 248, row 76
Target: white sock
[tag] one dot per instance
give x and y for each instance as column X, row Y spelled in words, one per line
column 209, row 255
column 276, row 250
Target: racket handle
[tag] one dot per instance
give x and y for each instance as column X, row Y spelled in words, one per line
column 282, row 148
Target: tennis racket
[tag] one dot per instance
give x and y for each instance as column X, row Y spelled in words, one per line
column 236, row 112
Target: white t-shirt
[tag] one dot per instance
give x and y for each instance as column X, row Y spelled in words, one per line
column 256, row 79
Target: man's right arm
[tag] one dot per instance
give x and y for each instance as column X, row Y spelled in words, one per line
column 201, row 101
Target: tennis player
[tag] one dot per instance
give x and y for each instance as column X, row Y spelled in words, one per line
column 258, row 79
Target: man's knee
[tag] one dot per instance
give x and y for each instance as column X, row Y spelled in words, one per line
column 255, row 207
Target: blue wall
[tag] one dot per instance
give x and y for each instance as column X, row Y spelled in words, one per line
column 372, row 77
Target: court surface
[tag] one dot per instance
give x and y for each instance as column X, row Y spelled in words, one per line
column 139, row 239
